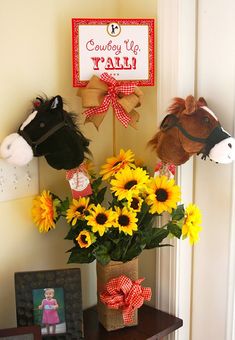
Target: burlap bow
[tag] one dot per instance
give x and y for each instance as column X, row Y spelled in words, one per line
column 125, row 294
column 102, row 92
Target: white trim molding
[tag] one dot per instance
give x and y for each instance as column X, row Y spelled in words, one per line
column 230, row 324
column 177, row 44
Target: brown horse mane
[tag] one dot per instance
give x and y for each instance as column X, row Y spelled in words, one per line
column 177, row 106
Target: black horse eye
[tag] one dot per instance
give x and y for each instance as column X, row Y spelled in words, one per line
column 42, row 125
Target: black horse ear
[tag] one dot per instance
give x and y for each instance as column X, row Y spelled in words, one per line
column 56, row 102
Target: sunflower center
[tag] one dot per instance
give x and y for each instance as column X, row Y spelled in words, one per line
column 135, row 203
column 130, row 184
column 81, row 209
column 101, row 218
column 161, row 195
column 83, row 239
column 123, row 220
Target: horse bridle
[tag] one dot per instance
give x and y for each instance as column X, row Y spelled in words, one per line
column 216, row 136
column 35, row 143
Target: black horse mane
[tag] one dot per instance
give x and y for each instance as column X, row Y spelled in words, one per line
column 43, row 102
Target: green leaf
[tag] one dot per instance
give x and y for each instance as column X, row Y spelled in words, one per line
column 120, row 247
column 64, row 205
column 81, row 255
column 101, row 254
column 134, row 250
column 100, row 195
column 178, row 213
column 73, row 233
column 75, row 230
column 155, row 237
column 174, row 229
column 96, row 184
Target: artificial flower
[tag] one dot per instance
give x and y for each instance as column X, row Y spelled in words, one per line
column 77, row 210
column 129, row 182
column 115, row 163
column 163, row 195
column 44, row 211
column 123, row 226
column 191, row 226
column 100, row 219
column 126, row 220
column 85, row 239
column 135, row 203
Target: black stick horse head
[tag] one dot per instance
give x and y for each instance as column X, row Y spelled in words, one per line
column 48, row 131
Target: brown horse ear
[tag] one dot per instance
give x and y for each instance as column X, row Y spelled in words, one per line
column 168, row 122
column 190, row 105
column 202, row 102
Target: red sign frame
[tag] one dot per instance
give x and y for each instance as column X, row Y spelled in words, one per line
column 113, row 63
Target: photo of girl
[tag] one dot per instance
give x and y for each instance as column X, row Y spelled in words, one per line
column 50, row 309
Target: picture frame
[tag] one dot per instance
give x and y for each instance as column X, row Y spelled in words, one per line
column 51, row 299
column 21, row 333
column 123, row 48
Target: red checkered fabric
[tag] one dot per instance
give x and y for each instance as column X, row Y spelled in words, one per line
column 114, row 89
column 123, row 293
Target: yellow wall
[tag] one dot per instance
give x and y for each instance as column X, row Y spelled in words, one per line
column 35, row 58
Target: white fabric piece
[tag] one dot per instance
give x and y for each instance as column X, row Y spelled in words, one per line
column 15, row 150
column 224, row 151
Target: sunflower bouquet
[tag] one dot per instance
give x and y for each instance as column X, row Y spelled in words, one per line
column 118, row 220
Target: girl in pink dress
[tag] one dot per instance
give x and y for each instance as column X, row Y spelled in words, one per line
column 49, row 305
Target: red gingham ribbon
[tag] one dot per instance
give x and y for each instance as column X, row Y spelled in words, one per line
column 123, row 293
column 114, row 88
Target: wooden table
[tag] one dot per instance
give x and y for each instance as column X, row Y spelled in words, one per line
column 152, row 325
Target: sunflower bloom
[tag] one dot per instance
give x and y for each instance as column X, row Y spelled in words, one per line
column 85, row 239
column 129, row 182
column 100, row 219
column 116, row 163
column 191, row 226
column 44, row 211
column 163, row 195
column 126, row 220
column 77, row 210
column 135, row 203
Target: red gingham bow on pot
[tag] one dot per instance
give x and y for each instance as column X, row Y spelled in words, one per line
column 102, row 92
column 123, row 293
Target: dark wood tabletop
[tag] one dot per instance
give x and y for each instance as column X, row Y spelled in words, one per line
column 153, row 324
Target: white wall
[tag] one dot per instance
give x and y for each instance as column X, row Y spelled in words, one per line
column 214, row 185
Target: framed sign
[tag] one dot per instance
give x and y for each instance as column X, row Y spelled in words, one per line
column 124, row 48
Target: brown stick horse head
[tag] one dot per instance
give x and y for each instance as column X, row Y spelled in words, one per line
column 192, row 128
